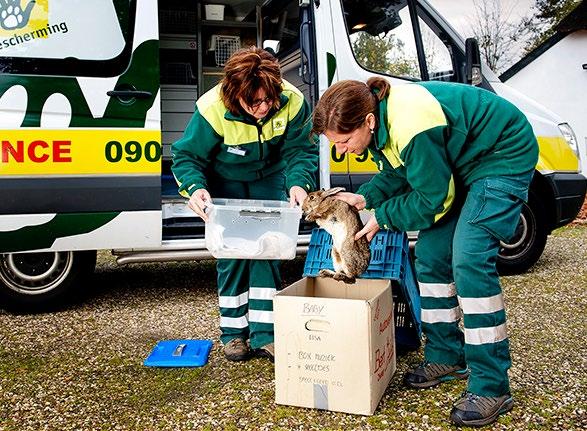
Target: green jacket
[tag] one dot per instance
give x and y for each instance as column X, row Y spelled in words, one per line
column 432, row 135
column 236, row 147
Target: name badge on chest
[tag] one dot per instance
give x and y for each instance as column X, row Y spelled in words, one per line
column 237, row 150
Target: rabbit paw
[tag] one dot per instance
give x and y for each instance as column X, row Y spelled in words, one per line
column 341, row 276
column 326, row 273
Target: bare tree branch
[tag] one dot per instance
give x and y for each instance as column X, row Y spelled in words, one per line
column 496, row 33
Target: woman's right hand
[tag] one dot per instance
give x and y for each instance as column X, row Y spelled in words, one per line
column 199, row 201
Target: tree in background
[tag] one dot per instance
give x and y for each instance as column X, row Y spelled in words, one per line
column 498, row 35
column 547, row 14
column 384, row 53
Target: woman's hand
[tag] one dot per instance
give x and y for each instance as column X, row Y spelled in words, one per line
column 370, row 229
column 353, row 199
column 297, row 196
column 198, row 202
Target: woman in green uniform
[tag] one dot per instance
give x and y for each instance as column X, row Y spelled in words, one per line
column 248, row 138
column 455, row 163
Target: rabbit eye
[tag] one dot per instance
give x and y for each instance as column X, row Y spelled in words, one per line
column 311, row 197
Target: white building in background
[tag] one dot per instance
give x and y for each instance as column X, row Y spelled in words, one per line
column 555, row 75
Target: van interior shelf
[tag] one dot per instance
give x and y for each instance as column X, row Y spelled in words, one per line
column 226, row 23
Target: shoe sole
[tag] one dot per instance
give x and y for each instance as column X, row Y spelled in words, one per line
column 455, row 375
column 505, row 407
column 261, row 353
column 237, row 358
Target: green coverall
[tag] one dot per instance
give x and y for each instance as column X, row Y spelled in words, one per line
column 235, row 156
column 455, row 163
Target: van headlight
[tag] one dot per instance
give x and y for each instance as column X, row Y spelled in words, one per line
column 570, row 137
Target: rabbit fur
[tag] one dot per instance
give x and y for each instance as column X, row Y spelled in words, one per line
column 350, row 258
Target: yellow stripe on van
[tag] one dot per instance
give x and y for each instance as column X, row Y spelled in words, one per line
column 556, row 155
column 79, row 151
column 361, row 163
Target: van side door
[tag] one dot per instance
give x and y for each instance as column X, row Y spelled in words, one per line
column 80, row 126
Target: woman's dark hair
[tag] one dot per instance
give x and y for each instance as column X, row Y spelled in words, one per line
column 344, row 106
column 247, row 71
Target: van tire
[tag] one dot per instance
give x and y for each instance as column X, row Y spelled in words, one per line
column 529, row 241
column 33, row 282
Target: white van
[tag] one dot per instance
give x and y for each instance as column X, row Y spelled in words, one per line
column 92, row 96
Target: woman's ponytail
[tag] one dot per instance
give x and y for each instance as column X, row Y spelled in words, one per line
column 344, row 106
column 378, row 86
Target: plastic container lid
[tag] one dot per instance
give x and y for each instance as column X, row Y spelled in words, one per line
column 179, row 353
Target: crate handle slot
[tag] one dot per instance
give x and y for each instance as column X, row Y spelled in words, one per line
column 260, row 214
column 316, row 325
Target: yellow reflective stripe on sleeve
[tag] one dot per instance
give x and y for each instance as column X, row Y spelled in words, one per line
column 404, row 124
column 450, row 196
column 182, row 192
column 79, row 151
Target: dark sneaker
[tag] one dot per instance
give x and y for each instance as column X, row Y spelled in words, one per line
column 428, row 374
column 236, row 350
column 475, row 410
column 267, row 351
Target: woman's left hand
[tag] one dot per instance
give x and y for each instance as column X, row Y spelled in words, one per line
column 297, row 196
column 353, row 199
column 370, row 229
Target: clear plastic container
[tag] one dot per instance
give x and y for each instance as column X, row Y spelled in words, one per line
column 252, row 229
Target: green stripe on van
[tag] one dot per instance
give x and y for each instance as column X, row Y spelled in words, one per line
column 142, row 74
column 331, row 67
column 44, row 235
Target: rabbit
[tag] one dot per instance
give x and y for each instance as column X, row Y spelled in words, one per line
column 350, row 258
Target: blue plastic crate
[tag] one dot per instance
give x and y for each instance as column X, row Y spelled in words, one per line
column 408, row 326
column 179, row 353
column 389, row 252
column 390, row 260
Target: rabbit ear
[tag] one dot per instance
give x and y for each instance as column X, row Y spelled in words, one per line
column 333, row 191
column 321, row 210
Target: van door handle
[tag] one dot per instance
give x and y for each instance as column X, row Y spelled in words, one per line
column 127, row 94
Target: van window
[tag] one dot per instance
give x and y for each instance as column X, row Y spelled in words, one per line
column 62, row 39
column 437, row 50
column 382, row 37
column 281, row 22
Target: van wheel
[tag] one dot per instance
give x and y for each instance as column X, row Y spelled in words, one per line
column 42, row 281
column 528, row 242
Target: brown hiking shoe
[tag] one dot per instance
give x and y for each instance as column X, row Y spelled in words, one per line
column 236, row 350
column 475, row 410
column 429, row 374
column 267, row 351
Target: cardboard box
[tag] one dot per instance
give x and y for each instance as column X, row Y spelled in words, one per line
column 334, row 344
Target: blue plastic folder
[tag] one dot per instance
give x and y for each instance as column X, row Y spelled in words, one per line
column 179, row 353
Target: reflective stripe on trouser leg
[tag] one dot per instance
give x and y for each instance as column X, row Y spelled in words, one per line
column 440, row 308
column 265, row 281
column 233, row 298
column 489, row 214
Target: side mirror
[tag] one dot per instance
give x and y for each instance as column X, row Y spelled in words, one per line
column 473, row 74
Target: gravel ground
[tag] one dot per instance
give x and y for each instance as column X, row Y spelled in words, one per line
column 81, row 368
